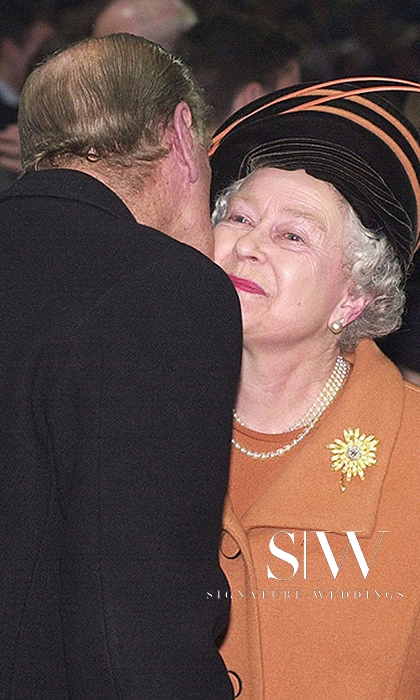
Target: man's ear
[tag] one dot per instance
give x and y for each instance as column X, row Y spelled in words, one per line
column 184, row 142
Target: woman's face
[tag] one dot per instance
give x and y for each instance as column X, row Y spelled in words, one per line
column 282, row 245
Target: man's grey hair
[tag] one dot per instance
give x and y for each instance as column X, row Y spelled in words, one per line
column 107, row 99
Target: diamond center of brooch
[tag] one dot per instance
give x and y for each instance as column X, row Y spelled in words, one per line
column 353, row 453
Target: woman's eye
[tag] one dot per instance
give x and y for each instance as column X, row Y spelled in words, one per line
column 293, row 237
column 238, row 218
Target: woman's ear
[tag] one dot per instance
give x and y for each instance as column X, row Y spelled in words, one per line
column 349, row 309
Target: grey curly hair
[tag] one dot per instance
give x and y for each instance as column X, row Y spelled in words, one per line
column 371, row 264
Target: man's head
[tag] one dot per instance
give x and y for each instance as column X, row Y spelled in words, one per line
column 161, row 20
column 126, row 111
column 105, row 99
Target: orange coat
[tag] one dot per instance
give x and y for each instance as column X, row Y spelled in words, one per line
column 315, row 617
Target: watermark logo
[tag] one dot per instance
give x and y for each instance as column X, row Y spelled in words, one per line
column 325, row 546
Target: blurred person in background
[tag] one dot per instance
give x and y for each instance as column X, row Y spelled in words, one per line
column 24, row 26
column 237, row 58
column 161, row 21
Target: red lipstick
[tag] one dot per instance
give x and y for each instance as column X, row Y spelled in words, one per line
column 247, row 285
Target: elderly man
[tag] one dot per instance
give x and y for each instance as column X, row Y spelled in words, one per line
column 120, row 355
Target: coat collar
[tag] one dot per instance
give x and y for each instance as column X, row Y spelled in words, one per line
column 307, row 494
column 71, row 185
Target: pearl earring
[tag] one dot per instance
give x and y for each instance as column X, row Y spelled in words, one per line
column 337, row 326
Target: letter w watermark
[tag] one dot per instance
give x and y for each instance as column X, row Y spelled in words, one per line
column 354, row 544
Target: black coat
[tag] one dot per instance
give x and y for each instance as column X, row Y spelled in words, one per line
column 120, row 354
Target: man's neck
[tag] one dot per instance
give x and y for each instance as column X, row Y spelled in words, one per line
column 175, row 210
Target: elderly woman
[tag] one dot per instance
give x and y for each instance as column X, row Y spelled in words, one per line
column 321, row 541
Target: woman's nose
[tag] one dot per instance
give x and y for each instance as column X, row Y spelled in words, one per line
column 250, row 245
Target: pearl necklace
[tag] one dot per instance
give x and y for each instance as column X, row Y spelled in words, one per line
column 313, row 414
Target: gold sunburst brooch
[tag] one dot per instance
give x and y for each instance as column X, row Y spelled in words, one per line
column 353, row 455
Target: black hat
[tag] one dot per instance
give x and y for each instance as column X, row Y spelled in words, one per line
column 343, row 132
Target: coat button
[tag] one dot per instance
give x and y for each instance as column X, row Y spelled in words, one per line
column 235, row 679
column 228, row 546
